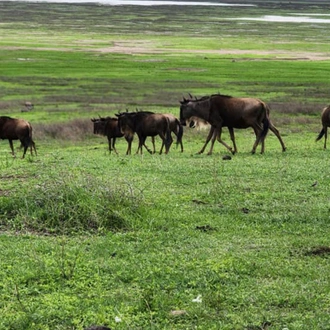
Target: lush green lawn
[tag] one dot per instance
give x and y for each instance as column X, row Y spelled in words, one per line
column 177, row 241
column 239, row 233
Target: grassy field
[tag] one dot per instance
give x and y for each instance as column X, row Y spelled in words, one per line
column 177, row 241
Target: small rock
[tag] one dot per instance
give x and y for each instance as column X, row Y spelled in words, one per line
column 178, row 312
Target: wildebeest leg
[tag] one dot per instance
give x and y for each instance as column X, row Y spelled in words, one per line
column 139, row 146
column 207, row 140
column 232, row 137
column 129, row 140
column 109, row 143
column 258, row 133
column 33, row 145
column 26, row 142
column 113, row 145
column 11, row 147
column 178, row 139
column 142, row 143
column 179, row 134
column 214, row 137
column 325, row 136
column 277, row 133
column 218, row 136
column 153, row 144
column 162, row 136
column 168, row 140
column 181, row 144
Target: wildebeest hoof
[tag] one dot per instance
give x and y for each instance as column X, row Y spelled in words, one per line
column 226, row 157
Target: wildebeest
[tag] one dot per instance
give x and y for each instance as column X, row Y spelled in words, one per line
column 226, row 111
column 108, row 127
column 17, row 129
column 144, row 124
column 325, row 118
column 175, row 127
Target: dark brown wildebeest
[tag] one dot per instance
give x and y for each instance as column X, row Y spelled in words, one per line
column 17, row 129
column 109, row 127
column 226, row 111
column 325, row 118
column 144, row 124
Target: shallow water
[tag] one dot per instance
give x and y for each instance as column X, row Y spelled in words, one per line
column 286, row 19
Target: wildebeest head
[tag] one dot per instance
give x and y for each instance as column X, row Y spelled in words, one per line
column 126, row 122
column 98, row 126
column 186, row 111
column 198, row 108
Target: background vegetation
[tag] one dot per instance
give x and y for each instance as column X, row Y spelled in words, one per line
column 177, row 241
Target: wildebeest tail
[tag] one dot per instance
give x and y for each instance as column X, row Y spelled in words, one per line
column 29, row 138
column 265, row 122
column 168, row 136
column 180, row 132
column 320, row 134
column 265, row 127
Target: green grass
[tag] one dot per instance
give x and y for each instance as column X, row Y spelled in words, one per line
column 236, row 232
column 131, row 241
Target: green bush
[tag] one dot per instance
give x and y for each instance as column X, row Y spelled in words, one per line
column 69, row 205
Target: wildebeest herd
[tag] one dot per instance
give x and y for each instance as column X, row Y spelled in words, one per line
column 217, row 110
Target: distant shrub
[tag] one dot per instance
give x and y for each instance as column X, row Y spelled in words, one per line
column 296, row 108
column 74, row 130
column 66, row 205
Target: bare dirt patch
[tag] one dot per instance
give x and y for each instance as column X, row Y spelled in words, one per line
column 146, row 47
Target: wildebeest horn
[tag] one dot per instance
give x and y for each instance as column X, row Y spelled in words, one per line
column 190, row 96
